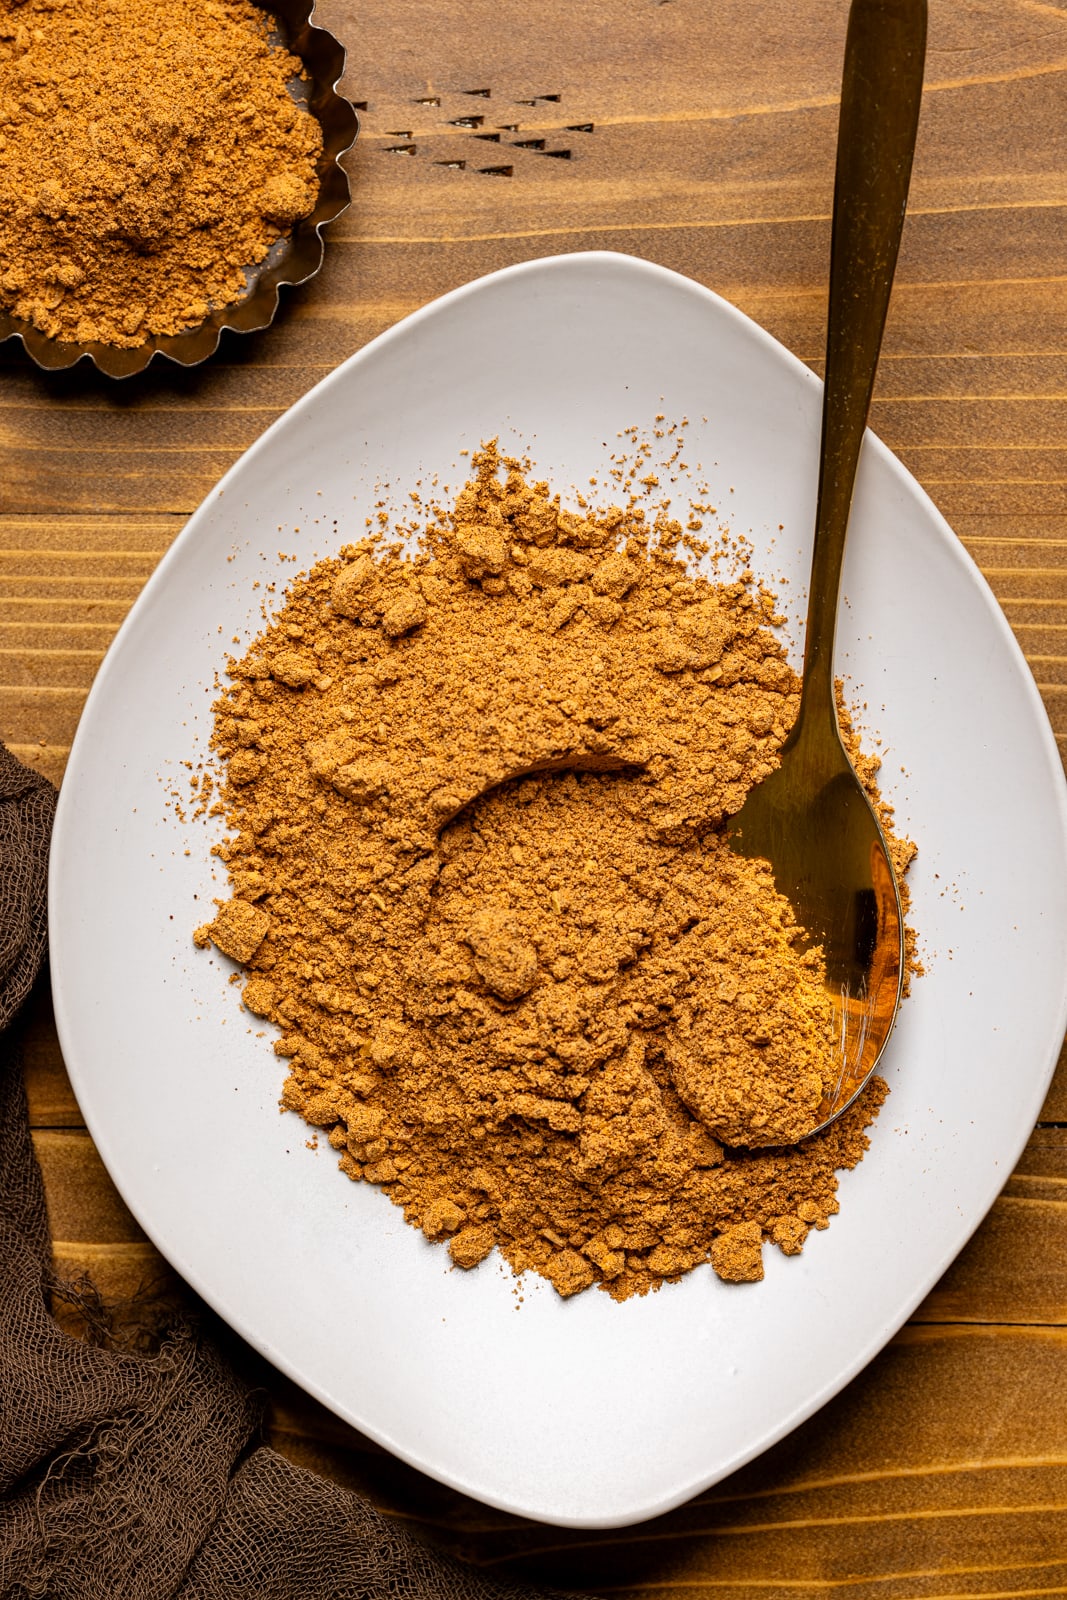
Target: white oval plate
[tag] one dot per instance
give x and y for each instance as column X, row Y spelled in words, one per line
column 584, row 1412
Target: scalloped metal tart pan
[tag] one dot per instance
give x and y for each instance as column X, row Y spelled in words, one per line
column 291, row 260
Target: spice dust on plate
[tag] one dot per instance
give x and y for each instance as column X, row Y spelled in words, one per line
column 479, row 881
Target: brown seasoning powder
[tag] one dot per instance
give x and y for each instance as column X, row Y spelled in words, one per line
column 480, row 883
column 150, row 152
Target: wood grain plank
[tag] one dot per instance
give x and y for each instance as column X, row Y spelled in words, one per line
column 88, row 566
column 971, row 424
column 39, row 717
column 1043, row 1163
column 25, row 610
column 1039, row 374
column 22, row 637
column 1015, row 1268
column 120, row 1273
column 38, row 669
column 86, row 591
column 1035, row 613
column 1050, row 671
column 1029, row 583
column 48, row 1090
column 80, row 535
column 49, row 760
column 1055, row 1107
column 84, row 1207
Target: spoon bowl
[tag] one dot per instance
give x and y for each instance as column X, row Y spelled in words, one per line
column 812, row 820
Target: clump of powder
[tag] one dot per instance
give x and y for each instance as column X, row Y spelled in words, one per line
column 150, row 153
column 480, row 883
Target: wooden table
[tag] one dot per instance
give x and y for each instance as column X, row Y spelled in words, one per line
column 701, row 136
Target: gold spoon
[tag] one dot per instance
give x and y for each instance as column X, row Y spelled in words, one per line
column 811, row 819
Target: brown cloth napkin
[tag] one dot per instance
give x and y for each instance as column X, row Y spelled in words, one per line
column 142, row 1476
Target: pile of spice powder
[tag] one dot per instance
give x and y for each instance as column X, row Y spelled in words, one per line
column 480, row 883
column 150, row 152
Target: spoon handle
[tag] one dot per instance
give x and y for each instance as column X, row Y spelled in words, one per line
column 880, row 92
